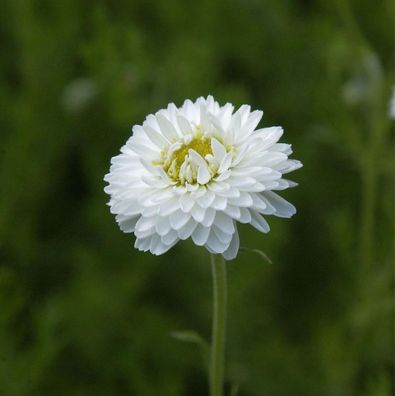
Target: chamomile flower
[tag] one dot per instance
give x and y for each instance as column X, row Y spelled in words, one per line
column 194, row 172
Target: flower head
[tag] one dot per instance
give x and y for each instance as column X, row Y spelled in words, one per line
column 195, row 171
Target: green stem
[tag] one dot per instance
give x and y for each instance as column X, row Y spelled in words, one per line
column 217, row 357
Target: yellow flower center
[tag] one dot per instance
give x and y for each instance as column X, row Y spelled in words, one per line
column 200, row 145
column 179, row 166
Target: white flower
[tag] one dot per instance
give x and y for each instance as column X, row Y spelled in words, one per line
column 194, row 172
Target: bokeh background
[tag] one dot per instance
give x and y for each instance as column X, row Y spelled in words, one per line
column 81, row 311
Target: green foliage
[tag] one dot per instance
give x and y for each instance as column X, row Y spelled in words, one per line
column 82, row 312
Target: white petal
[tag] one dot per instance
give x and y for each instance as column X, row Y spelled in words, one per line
column 223, row 176
column 232, row 211
column 224, row 223
column 150, row 211
column 186, row 231
column 225, row 163
column 162, row 225
column 128, row 208
column 244, row 200
column 245, row 215
column 190, row 111
column 154, row 182
column 186, row 202
column 222, row 236
column 169, row 207
column 244, row 112
column 170, row 237
column 217, row 124
column 204, row 119
column 218, row 149
column 206, row 199
column 163, row 175
column 291, row 183
column 273, row 158
column 288, row 166
column 161, row 247
column 258, row 203
column 142, row 244
column 234, row 127
column 184, row 125
column 145, row 223
column 270, row 136
column 145, row 151
column 225, row 115
column 242, row 182
column 283, row 207
column 203, row 175
column 178, row 219
column 219, row 203
column 282, row 147
column 218, row 186
column 250, row 171
column 167, row 128
column 269, row 207
column 252, row 122
column 155, row 137
column 259, row 222
column 200, row 235
column 231, row 252
column 283, row 184
column 215, row 244
column 159, row 196
column 157, row 246
column 127, row 224
column 196, row 158
column 145, row 233
column 209, row 217
column 198, row 213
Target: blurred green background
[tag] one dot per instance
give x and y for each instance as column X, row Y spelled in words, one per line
column 81, row 311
